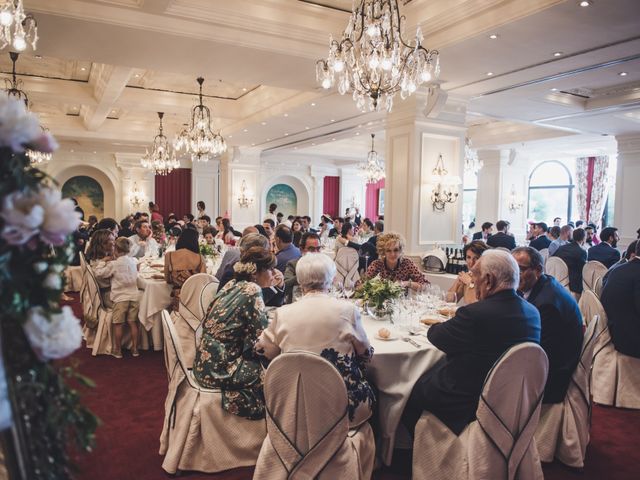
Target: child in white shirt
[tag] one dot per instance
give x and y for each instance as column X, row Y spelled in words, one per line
column 123, row 272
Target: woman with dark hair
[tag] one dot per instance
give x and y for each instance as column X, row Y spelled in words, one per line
column 463, row 287
column 156, row 216
column 181, row 264
column 296, row 227
column 99, row 252
column 225, row 358
column 201, row 207
column 227, row 235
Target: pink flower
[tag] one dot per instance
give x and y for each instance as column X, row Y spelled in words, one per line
column 22, row 216
column 18, row 127
column 60, row 217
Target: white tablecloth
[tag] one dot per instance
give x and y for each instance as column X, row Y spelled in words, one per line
column 443, row 280
column 394, row 369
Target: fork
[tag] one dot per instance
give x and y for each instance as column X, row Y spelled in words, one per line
column 412, row 342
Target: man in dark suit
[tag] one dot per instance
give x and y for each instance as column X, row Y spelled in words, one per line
column 502, row 238
column 606, row 252
column 541, row 241
column 561, row 335
column 368, row 250
column 575, row 257
column 487, row 229
column 473, row 340
column 337, row 227
column 621, row 302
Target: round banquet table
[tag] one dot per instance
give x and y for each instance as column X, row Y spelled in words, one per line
column 394, row 369
column 443, row 280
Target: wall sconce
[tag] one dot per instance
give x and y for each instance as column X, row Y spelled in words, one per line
column 514, row 202
column 244, row 200
column 136, row 196
column 445, row 188
column 353, row 202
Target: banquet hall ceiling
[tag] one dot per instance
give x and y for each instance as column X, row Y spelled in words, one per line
column 105, row 67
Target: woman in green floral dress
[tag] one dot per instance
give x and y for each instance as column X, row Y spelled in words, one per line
column 226, row 358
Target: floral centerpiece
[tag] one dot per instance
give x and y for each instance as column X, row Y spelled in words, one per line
column 378, row 294
column 41, row 410
column 208, row 251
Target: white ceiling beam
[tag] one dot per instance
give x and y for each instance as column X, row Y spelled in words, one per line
column 108, row 83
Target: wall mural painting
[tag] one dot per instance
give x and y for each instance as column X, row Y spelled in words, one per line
column 285, row 197
column 88, row 193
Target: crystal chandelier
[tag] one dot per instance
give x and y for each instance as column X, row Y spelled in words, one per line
column 136, row 196
column 37, row 157
column 244, row 199
column 372, row 169
column 13, row 85
column 17, row 28
column 162, row 159
column 198, row 138
column 374, row 61
column 446, row 186
column 472, row 164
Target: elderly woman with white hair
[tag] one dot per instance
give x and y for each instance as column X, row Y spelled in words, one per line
column 473, row 340
column 321, row 324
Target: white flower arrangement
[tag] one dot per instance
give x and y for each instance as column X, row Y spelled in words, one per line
column 248, row 267
column 54, row 337
column 18, row 127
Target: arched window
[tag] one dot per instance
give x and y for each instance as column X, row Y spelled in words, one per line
column 550, row 192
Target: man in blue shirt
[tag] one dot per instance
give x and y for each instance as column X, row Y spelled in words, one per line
column 286, row 249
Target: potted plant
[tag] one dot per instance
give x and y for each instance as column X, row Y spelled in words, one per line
column 378, row 295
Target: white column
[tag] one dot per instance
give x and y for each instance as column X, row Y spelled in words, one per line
column 489, row 186
column 204, row 186
column 413, row 144
column 318, row 197
column 626, row 216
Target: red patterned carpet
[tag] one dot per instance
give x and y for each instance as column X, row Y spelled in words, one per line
column 129, row 399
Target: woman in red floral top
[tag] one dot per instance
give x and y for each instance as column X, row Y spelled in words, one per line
column 392, row 265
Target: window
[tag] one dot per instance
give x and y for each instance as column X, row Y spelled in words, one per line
column 551, row 192
column 469, row 199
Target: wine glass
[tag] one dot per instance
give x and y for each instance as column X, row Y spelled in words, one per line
column 349, row 288
column 338, row 289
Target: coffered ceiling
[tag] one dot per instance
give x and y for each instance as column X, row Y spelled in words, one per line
column 105, row 67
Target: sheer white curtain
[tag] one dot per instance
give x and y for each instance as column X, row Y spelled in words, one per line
column 582, row 172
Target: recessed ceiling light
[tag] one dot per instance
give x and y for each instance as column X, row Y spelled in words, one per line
column 357, row 133
column 313, row 144
column 244, row 89
column 137, row 75
column 306, row 128
column 263, row 123
column 245, row 130
column 95, row 151
column 82, row 69
column 493, row 36
column 286, row 114
column 585, row 3
column 333, row 120
column 286, row 134
column 229, row 136
column 489, row 74
column 557, row 54
column 313, row 104
column 623, row 74
column 268, row 139
column 295, row 148
column 333, row 139
column 72, row 150
column 253, row 144
column 554, row 89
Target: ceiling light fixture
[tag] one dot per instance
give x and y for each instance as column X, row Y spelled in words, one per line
column 199, row 139
column 493, row 36
column 472, row 163
column 489, row 74
column 557, row 54
column 623, row 74
column 13, row 85
column 162, row 158
column 554, row 89
column 245, row 199
column 373, row 168
column 586, row 3
column 37, row 157
column 17, row 28
column 374, row 61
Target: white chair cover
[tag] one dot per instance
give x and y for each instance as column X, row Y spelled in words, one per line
column 563, row 430
column 73, row 279
column 545, row 255
column 615, row 377
column 308, row 426
column 498, row 445
column 197, row 433
column 592, row 274
column 590, row 307
column 347, row 261
column 102, row 339
column 556, row 267
column 91, row 306
column 190, row 314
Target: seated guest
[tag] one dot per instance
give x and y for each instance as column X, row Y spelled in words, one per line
column 310, row 243
column 337, row 227
column 306, row 224
column 345, row 234
column 122, row 271
column 365, row 229
column 296, row 228
column 621, row 301
column 204, row 222
column 464, row 287
column 157, row 231
column 227, row 235
column 541, row 241
column 592, row 235
column 473, row 340
column 566, row 233
column 324, row 325
column 125, row 230
column 225, row 358
column 182, row 263
column 232, row 254
column 171, row 222
column 368, row 250
column 487, row 229
column 575, row 257
column 560, row 317
column 556, row 221
column 142, row 242
column 100, row 251
column 391, row 265
column 286, row 249
column 630, row 254
column 209, row 235
column 606, row 252
column 502, row 238
column 553, row 233
column 269, row 226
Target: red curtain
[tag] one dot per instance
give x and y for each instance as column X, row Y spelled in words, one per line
column 373, row 194
column 590, row 170
column 173, row 192
column 331, row 198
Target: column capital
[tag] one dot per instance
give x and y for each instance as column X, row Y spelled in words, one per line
column 628, row 143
